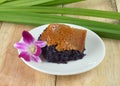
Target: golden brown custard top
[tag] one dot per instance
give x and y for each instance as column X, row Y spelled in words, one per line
column 64, row 37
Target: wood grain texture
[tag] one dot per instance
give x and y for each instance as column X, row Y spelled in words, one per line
column 0, row 24
column 118, row 5
column 14, row 72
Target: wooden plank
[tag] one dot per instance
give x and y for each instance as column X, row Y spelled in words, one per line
column 4, row 34
column 0, row 24
column 13, row 71
column 108, row 72
column 118, row 5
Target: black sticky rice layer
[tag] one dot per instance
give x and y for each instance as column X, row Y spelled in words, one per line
column 52, row 55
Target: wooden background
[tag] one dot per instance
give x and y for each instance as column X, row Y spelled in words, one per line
column 14, row 72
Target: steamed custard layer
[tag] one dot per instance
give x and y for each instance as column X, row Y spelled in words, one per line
column 64, row 37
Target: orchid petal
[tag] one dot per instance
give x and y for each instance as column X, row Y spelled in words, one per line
column 38, row 51
column 36, row 58
column 20, row 46
column 30, row 49
column 41, row 43
column 25, row 56
column 27, row 37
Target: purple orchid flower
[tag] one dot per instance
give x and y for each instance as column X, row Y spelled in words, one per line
column 30, row 49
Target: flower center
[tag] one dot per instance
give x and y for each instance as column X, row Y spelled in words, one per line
column 33, row 49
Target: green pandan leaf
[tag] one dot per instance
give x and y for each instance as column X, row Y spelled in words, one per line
column 19, row 3
column 1, row 1
column 70, row 11
column 38, row 19
column 59, row 2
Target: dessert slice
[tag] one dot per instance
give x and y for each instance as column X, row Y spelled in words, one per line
column 64, row 43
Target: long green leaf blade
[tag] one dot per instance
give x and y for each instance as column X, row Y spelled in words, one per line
column 104, row 34
column 70, row 11
column 37, row 19
column 59, row 2
column 1, row 1
column 57, row 19
column 25, row 2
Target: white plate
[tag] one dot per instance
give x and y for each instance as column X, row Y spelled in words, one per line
column 95, row 52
